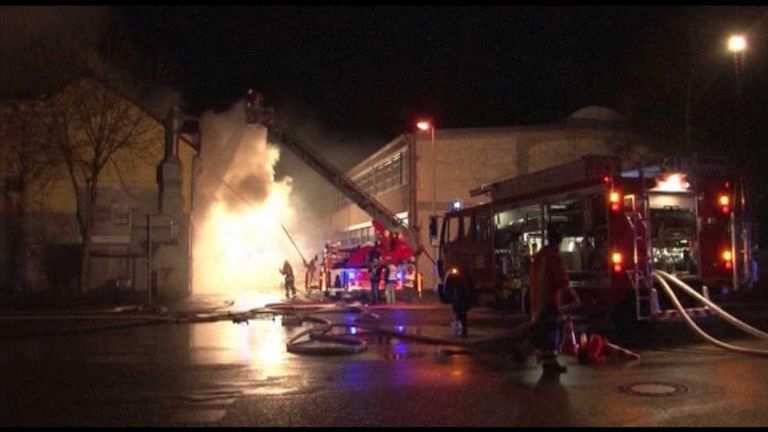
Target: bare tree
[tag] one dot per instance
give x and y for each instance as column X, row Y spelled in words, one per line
column 92, row 125
column 27, row 169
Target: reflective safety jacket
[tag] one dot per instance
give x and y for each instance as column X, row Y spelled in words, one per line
column 409, row 276
column 547, row 277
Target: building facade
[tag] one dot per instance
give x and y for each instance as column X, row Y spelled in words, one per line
column 416, row 177
column 141, row 217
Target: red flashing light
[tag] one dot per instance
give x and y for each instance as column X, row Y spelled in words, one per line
column 724, row 201
column 606, row 179
column 614, row 198
column 728, row 258
column 617, row 258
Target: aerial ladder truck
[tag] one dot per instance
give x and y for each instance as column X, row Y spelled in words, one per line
column 258, row 114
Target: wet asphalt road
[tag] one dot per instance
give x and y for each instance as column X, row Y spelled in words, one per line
column 225, row 374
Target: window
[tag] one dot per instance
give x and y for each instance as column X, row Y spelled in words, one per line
column 404, row 168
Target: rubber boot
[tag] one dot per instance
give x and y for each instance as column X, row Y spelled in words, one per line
column 550, row 364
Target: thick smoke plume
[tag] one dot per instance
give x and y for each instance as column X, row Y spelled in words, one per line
column 240, row 211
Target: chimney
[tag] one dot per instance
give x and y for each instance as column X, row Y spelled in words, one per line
column 169, row 170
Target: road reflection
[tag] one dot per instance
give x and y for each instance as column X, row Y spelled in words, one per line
column 260, row 344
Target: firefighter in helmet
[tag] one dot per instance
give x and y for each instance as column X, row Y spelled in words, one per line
column 460, row 288
column 549, row 283
column 409, row 278
column 287, row 272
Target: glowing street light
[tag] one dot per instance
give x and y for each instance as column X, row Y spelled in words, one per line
column 737, row 43
column 423, row 125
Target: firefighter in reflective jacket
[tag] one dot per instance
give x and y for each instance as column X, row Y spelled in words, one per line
column 409, row 279
column 549, row 282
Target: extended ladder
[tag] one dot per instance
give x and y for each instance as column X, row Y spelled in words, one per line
column 257, row 114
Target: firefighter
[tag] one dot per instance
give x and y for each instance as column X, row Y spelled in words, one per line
column 309, row 277
column 287, row 272
column 390, row 278
column 549, row 282
column 409, row 278
column 463, row 296
column 374, row 275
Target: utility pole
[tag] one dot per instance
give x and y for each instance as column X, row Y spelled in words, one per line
column 149, row 259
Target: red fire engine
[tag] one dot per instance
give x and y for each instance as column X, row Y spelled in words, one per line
column 346, row 269
column 617, row 228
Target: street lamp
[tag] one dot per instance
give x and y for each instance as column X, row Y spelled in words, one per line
column 425, row 125
column 737, row 45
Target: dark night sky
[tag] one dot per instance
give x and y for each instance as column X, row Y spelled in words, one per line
column 374, row 69
column 362, row 75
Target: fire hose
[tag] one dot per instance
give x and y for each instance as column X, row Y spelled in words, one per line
column 661, row 276
column 346, row 344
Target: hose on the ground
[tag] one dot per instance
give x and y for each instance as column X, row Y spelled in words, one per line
column 696, row 328
column 719, row 311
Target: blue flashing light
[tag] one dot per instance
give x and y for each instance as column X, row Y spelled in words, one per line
column 457, row 205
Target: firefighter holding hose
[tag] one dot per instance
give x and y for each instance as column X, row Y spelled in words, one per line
column 549, row 285
column 287, row 272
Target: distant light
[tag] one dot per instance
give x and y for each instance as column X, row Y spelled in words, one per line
column 423, row 125
column 457, row 205
column 672, row 182
column 737, row 43
column 724, row 200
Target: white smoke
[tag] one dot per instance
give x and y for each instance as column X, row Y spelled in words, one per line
column 240, row 211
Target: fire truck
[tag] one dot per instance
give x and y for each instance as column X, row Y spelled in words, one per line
column 617, row 227
column 403, row 239
column 346, row 269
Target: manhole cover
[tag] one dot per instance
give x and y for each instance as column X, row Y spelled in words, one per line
column 654, row 389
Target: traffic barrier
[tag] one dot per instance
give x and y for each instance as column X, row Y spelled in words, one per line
column 595, row 349
column 599, row 350
column 568, row 346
